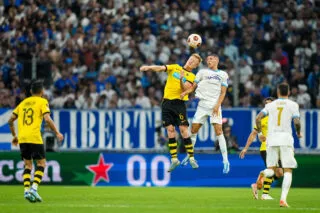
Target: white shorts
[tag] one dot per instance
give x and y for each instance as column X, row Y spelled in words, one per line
column 202, row 113
column 283, row 153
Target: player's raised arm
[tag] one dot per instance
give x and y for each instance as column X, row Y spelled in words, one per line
column 250, row 139
column 154, row 68
column 13, row 132
column 52, row 126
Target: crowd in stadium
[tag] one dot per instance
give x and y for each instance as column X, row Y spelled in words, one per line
column 97, row 46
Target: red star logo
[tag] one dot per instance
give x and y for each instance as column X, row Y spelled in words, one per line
column 100, row 170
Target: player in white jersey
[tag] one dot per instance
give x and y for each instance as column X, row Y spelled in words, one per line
column 279, row 139
column 211, row 86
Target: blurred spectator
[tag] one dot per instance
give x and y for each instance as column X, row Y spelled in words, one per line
column 271, row 66
column 108, row 91
column 99, row 42
column 303, row 98
column 245, row 71
column 231, row 140
column 142, row 100
column 294, row 94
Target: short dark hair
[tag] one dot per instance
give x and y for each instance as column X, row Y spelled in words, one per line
column 268, row 99
column 36, row 87
column 283, row 89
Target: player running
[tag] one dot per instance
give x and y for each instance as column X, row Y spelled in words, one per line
column 211, row 87
column 174, row 112
column 279, row 139
column 30, row 113
column 265, row 182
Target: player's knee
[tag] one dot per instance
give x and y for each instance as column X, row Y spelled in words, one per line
column 218, row 129
column 28, row 164
column 41, row 163
column 268, row 172
column 170, row 130
column 279, row 173
column 184, row 131
column 219, row 132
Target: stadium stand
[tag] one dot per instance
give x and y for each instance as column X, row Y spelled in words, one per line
column 92, row 49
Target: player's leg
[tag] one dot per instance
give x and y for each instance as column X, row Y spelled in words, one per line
column 288, row 162
column 194, row 131
column 168, row 122
column 264, row 181
column 199, row 119
column 188, row 145
column 273, row 156
column 173, row 147
column 39, row 156
column 217, row 124
column 27, row 159
column 182, row 122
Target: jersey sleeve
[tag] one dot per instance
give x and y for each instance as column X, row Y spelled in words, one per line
column 170, row 67
column 225, row 80
column 295, row 112
column 16, row 110
column 265, row 110
column 45, row 107
column 198, row 77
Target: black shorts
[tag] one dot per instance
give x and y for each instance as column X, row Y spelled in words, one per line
column 174, row 112
column 32, row 151
column 264, row 158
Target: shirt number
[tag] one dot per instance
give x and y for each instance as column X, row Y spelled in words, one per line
column 280, row 109
column 27, row 116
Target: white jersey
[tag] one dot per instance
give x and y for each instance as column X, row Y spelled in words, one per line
column 209, row 86
column 281, row 112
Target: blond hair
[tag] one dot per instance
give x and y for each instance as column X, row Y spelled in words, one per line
column 197, row 56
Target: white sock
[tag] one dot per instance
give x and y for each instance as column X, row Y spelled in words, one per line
column 223, row 147
column 35, row 186
column 286, row 184
column 194, row 138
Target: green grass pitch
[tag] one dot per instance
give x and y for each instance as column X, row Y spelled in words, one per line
column 177, row 200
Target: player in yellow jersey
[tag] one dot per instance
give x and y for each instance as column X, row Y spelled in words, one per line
column 30, row 113
column 174, row 112
column 266, row 182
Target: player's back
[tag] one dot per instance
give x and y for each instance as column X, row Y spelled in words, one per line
column 281, row 112
column 30, row 115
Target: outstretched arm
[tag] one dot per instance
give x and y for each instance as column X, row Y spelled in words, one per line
column 153, row 68
column 13, row 132
column 250, row 139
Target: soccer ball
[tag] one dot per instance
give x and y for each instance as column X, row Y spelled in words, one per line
column 194, row 40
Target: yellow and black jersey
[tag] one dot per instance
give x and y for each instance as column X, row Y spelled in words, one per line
column 264, row 131
column 173, row 88
column 30, row 115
